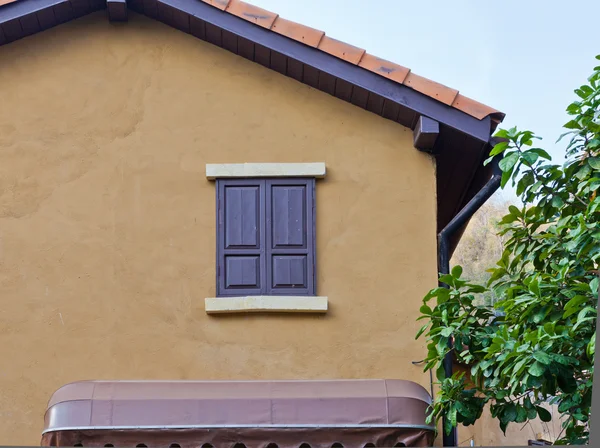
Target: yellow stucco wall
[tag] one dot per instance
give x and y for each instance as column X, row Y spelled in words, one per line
column 107, row 222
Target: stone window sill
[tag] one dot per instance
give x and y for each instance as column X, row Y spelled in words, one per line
column 273, row 304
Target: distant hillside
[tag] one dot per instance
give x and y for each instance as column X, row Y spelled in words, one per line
column 480, row 247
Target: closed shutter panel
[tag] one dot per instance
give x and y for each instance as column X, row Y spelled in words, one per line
column 290, row 237
column 241, row 237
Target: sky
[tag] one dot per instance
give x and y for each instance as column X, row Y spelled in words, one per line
column 522, row 57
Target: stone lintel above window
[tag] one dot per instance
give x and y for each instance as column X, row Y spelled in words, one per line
column 249, row 170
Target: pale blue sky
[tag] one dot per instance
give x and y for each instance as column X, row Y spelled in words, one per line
column 524, row 57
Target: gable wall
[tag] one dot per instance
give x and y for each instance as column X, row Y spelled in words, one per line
column 107, row 222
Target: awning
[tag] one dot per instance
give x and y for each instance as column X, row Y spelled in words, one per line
column 252, row 413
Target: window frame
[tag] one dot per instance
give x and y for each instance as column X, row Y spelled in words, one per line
column 265, row 234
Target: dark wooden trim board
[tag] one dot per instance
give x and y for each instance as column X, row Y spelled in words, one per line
column 425, row 133
column 117, row 10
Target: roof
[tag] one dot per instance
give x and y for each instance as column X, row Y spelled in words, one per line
column 248, row 409
column 346, row 52
column 313, row 58
column 356, row 56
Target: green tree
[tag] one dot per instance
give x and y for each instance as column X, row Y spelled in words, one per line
column 538, row 344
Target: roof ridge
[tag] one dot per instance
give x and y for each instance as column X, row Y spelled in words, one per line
column 355, row 55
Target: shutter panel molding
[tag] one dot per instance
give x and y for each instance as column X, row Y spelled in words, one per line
column 290, row 237
column 241, row 237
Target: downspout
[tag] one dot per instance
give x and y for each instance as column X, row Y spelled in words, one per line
column 444, row 259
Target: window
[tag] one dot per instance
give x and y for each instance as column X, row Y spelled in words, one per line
column 266, row 237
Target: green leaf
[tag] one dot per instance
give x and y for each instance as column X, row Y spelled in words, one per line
column 510, row 413
column 447, row 332
column 544, row 415
column 501, row 133
column 594, row 286
column 421, row 331
column 425, row 310
column 509, row 161
column 530, row 157
column 573, row 124
column 525, row 181
column 535, row 288
column 542, row 357
column 536, row 369
column 575, row 301
column 500, row 147
column 514, row 211
column 451, row 417
column 540, row 152
column 594, row 162
column 505, row 178
column 440, row 373
column 447, row 279
column 521, row 415
column 557, row 202
column 457, row 271
column 440, row 293
column 583, row 172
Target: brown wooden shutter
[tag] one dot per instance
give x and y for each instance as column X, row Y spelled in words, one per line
column 290, row 254
column 241, row 258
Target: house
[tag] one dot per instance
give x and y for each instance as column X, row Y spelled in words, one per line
column 225, row 221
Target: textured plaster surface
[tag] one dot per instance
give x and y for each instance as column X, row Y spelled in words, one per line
column 107, row 220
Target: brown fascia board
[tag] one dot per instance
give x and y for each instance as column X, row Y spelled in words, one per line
column 23, row 18
column 18, row 20
column 117, row 10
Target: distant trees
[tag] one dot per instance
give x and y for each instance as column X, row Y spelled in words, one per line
column 481, row 246
column 545, row 282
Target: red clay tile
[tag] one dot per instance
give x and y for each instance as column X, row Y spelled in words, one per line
column 354, row 55
column 296, row 31
column 431, row 88
column 384, row 68
column 252, row 13
column 473, row 108
column 341, row 50
column 6, row 2
column 221, row 4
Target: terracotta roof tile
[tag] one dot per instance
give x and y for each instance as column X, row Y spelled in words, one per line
column 221, row 4
column 474, row 108
column 431, row 88
column 296, row 31
column 385, row 68
column 251, row 13
column 341, row 50
column 354, row 55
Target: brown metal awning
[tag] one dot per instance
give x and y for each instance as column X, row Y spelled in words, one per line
column 253, row 413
